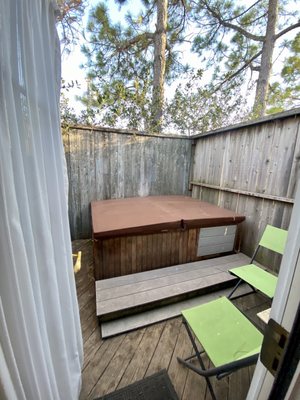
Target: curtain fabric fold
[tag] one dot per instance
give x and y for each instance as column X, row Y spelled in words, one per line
column 40, row 335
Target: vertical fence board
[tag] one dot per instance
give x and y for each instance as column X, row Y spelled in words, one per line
column 104, row 165
column 263, row 159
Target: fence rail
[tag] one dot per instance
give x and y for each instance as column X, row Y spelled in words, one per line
column 254, row 171
column 245, row 193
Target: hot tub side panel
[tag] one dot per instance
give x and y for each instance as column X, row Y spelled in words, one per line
column 117, row 256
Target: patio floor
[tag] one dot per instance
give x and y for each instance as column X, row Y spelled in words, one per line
column 113, row 363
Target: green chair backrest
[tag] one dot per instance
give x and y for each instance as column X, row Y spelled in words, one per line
column 274, row 239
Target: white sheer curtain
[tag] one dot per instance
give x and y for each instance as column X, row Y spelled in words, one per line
column 40, row 336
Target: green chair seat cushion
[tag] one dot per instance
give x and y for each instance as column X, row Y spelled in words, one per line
column 223, row 331
column 257, row 277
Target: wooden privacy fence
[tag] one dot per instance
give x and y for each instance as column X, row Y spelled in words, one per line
column 252, row 169
column 110, row 163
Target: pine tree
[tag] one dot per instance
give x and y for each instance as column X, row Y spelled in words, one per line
column 285, row 93
column 69, row 19
column 242, row 38
column 129, row 65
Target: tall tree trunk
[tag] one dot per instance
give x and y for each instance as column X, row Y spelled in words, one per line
column 262, row 86
column 159, row 66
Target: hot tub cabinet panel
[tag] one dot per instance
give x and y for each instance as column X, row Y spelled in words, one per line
column 140, row 234
column 219, row 239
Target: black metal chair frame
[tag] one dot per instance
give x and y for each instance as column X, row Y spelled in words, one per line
column 240, row 281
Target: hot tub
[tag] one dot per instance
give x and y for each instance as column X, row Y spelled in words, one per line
column 144, row 233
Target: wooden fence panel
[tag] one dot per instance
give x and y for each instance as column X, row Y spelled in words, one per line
column 253, row 171
column 107, row 165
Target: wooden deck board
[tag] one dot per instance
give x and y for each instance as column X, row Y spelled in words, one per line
column 135, row 321
column 224, row 263
column 183, row 348
column 115, row 297
column 112, row 375
column 165, row 347
column 137, row 301
column 107, row 367
column 98, row 365
column 164, row 282
column 139, row 363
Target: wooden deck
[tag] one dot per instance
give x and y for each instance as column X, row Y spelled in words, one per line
column 110, row 364
column 125, row 295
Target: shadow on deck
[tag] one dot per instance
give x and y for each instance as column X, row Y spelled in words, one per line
column 113, row 363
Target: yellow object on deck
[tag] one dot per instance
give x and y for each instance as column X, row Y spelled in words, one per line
column 77, row 265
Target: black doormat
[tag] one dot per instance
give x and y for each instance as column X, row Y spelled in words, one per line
column 154, row 387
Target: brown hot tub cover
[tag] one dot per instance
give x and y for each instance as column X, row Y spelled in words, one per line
column 156, row 213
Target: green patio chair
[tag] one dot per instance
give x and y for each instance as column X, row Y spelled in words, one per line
column 227, row 337
column 257, row 278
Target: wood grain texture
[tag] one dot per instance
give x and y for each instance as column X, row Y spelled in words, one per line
column 131, row 254
column 121, row 360
column 108, row 165
column 144, row 291
column 139, row 363
column 262, row 159
column 162, row 313
column 165, row 348
column 113, row 308
column 114, row 371
column 223, row 264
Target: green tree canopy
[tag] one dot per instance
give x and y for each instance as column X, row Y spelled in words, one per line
column 285, row 92
column 237, row 41
column 239, row 47
column 121, row 61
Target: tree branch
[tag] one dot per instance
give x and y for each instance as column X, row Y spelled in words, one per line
column 245, row 11
column 123, row 46
column 234, row 27
column 286, row 30
column 257, row 18
column 182, row 20
column 237, row 72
